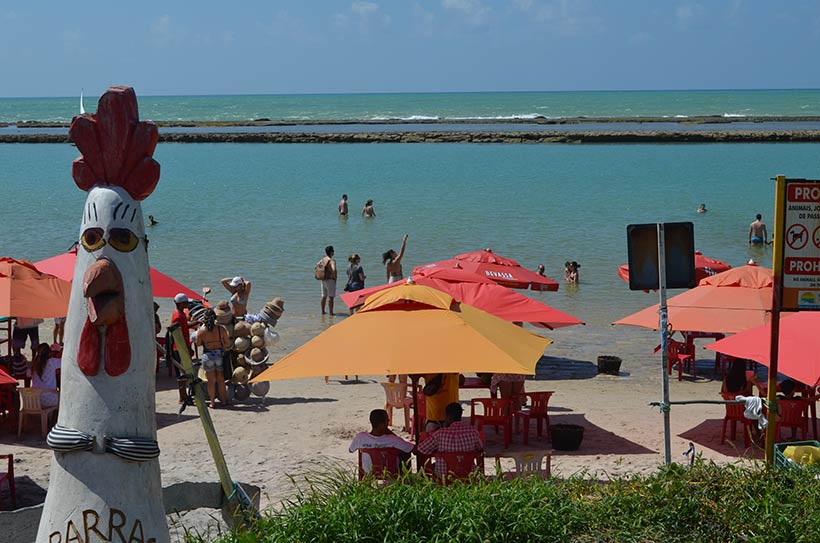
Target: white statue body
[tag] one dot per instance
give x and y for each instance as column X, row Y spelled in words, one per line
column 107, row 490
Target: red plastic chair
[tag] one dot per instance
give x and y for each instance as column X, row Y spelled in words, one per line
column 792, row 415
column 422, row 413
column 734, row 414
column 161, row 350
column 385, row 463
column 679, row 354
column 7, row 393
column 539, row 403
column 496, row 412
column 459, row 465
column 8, row 476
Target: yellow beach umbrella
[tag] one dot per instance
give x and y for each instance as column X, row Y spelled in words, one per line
column 413, row 329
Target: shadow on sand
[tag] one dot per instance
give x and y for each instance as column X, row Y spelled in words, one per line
column 707, row 434
column 27, row 491
column 554, row 368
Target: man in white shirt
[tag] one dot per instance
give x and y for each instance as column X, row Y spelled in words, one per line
column 380, row 436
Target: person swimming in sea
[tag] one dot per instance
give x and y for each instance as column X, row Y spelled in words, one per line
column 757, row 232
column 367, row 210
column 152, row 221
column 702, row 208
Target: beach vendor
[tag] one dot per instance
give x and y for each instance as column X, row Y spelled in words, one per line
column 379, row 436
column 757, row 231
column 215, row 341
column 392, row 262
column 240, row 290
column 441, row 389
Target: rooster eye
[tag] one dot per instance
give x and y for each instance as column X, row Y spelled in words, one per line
column 123, row 239
column 92, row 239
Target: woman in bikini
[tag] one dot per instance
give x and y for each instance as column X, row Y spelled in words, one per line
column 214, row 340
column 392, row 262
column 240, row 290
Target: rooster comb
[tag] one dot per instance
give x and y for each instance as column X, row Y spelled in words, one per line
column 116, row 147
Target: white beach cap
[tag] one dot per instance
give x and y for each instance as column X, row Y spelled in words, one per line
column 236, row 281
column 181, row 298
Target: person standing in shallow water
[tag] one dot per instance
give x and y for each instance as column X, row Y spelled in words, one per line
column 367, row 210
column 757, row 231
column 343, row 206
column 392, row 262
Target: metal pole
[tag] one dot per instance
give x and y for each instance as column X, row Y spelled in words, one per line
column 667, row 443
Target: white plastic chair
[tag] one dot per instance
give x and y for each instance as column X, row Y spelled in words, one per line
column 527, row 463
column 30, row 405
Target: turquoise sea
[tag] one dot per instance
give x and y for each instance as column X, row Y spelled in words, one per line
column 267, row 212
column 442, row 106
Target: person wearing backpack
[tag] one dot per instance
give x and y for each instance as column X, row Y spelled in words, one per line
column 325, row 271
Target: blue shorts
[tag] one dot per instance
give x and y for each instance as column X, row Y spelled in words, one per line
column 756, row 240
column 212, row 360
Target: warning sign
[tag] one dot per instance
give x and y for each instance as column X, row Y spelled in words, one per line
column 801, row 246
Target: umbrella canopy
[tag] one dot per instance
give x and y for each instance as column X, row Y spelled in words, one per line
column 162, row 286
column 726, row 303
column 413, row 329
column 504, row 271
column 704, row 267
column 6, row 379
column 26, row 292
column 798, row 349
column 479, row 292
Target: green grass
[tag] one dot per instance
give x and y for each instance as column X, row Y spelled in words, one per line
column 707, row 503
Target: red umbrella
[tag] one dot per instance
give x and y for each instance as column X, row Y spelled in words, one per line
column 726, row 303
column 481, row 293
column 704, row 267
column 26, row 292
column 162, row 286
column 6, row 379
column 504, row 271
column 798, row 352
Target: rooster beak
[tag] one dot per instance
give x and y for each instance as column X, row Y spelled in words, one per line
column 102, row 287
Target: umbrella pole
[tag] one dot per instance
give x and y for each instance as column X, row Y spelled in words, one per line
column 414, row 379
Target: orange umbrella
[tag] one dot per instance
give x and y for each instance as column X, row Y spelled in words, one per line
column 26, row 292
column 481, row 293
column 726, row 303
column 704, row 267
column 412, row 329
column 798, row 351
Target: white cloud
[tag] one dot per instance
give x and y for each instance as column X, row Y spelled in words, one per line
column 362, row 14
column 161, row 30
column 572, row 17
column 364, row 9
column 686, row 14
column 474, row 11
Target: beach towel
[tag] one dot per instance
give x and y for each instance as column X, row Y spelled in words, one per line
column 754, row 410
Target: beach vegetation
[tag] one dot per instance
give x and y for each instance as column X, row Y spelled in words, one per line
column 705, row 502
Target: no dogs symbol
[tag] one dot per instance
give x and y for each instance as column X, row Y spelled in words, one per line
column 797, row 236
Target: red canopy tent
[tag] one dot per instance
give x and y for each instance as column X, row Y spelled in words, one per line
column 479, row 292
column 704, row 267
column 162, row 286
column 798, row 351
column 504, row 271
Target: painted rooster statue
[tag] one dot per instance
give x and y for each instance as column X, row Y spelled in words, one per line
column 105, row 476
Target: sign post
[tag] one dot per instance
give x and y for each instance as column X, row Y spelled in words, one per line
column 795, row 267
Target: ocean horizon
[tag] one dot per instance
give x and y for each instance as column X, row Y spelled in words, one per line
column 437, row 106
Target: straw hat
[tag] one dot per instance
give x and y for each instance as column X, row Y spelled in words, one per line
column 274, row 309
column 258, row 356
column 258, row 341
column 241, row 344
column 258, row 329
column 260, row 389
column 242, row 329
column 241, row 361
column 240, row 376
column 223, row 312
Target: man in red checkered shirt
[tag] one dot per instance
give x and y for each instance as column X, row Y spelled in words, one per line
column 454, row 437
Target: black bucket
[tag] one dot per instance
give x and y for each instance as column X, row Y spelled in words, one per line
column 609, row 364
column 566, row 437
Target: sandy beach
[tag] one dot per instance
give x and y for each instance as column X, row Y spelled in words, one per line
column 303, row 424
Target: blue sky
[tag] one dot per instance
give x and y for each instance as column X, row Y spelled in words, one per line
column 321, row 46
